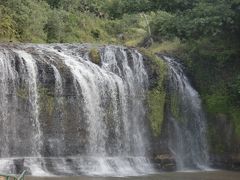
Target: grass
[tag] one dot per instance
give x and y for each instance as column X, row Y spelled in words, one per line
column 166, row 46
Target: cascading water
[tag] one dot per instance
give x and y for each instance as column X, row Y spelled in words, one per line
column 186, row 121
column 62, row 114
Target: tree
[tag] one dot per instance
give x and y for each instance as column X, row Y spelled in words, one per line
column 117, row 8
column 205, row 19
column 54, row 3
column 30, row 17
column 53, row 27
column 173, row 5
column 7, row 24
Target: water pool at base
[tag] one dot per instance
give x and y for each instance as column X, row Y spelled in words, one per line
column 206, row 175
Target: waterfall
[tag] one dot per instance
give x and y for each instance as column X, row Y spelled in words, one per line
column 61, row 114
column 186, row 121
column 33, row 100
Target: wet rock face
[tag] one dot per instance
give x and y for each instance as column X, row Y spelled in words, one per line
column 21, row 112
column 150, row 68
column 56, row 103
column 225, row 146
column 165, row 162
column 58, row 110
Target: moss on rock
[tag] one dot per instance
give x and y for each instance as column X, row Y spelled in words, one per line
column 22, row 93
column 94, row 56
column 157, row 93
column 156, row 102
column 175, row 106
column 235, row 115
column 46, row 101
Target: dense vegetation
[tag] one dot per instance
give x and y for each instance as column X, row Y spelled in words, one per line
column 204, row 33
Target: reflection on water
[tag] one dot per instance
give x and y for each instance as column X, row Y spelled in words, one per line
column 212, row 175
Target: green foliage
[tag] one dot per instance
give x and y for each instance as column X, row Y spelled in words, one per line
column 84, row 6
column 69, row 26
column 166, row 47
column 54, row 3
column 117, row 8
column 129, row 30
column 160, row 25
column 7, row 24
column 53, row 27
column 174, row 5
column 63, row 21
column 29, row 16
column 92, row 20
column 217, row 103
column 205, row 19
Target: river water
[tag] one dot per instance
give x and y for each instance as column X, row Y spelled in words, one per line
column 210, row 175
